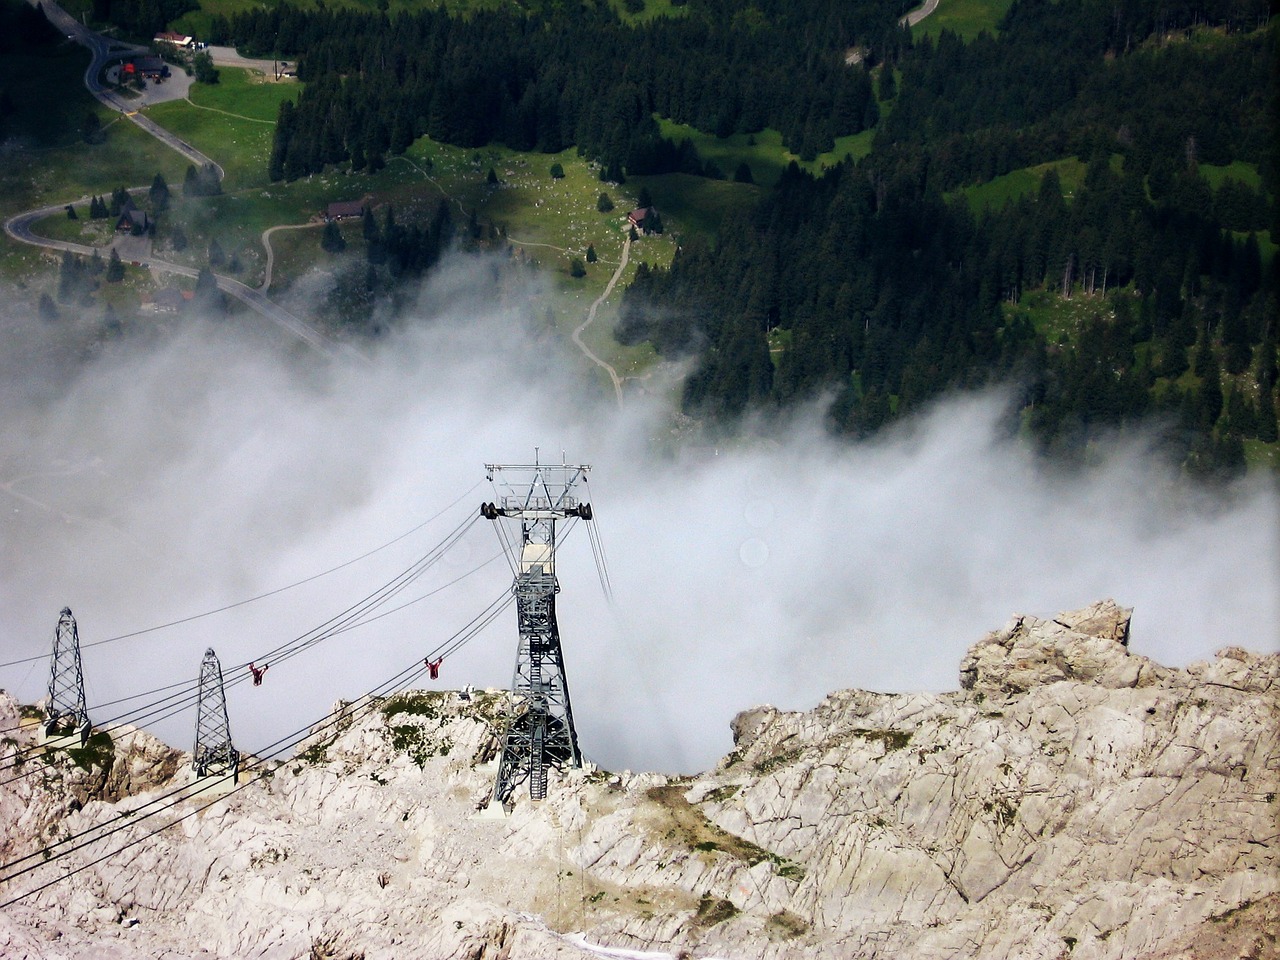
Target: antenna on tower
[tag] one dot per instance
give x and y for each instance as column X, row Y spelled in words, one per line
column 213, row 755
column 64, row 708
column 541, row 735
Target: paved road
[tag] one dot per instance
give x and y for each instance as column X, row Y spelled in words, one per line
column 103, row 50
column 915, row 16
column 228, row 57
column 19, row 226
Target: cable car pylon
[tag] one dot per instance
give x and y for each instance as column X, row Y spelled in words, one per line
column 65, row 712
column 541, row 735
column 213, row 755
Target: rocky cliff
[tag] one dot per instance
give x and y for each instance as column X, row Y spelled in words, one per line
column 1071, row 799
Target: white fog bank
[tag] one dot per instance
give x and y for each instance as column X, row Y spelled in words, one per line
column 194, row 471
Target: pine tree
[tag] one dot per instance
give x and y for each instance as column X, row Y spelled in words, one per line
column 1267, row 428
column 331, row 240
column 591, row 254
column 208, row 298
column 115, row 268
column 68, row 277
column 159, row 194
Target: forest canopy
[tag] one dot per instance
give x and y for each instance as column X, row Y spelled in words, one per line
column 875, row 284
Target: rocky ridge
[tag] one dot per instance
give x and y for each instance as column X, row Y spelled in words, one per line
column 1071, row 799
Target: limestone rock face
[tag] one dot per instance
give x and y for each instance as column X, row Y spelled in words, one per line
column 1090, row 644
column 1072, row 799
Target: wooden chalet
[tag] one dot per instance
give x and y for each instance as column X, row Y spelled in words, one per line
column 636, row 218
column 131, row 217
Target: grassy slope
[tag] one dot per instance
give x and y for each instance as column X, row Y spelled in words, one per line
column 1246, row 173
column 548, row 220
column 1009, row 187
column 763, row 152
column 196, row 22
column 967, row 18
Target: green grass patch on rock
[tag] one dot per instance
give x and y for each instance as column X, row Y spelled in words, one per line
column 684, row 824
column 785, row 925
column 418, row 703
column 713, row 910
column 99, row 751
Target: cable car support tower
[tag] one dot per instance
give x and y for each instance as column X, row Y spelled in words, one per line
column 541, row 735
column 66, row 715
column 213, row 755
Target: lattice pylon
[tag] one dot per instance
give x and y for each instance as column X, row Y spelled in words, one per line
column 213, row 755
column 64, row 708
column 541, row 736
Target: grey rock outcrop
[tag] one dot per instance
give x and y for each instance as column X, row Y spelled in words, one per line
column 1072, row 799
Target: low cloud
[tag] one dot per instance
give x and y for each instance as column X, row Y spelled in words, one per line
column 163, row 479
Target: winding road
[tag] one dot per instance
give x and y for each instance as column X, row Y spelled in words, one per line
column 915, row 16
column 18, row 227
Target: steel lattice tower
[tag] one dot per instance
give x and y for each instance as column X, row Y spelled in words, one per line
column 541, row 735
column 213, row 754
column 65, row 709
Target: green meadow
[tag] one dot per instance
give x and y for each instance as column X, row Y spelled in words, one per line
column 966, row 18
column 995, row 193
column 762, row 152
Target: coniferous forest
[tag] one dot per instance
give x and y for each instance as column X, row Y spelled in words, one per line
column 875, row 286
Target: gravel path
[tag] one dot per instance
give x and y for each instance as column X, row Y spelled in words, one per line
column 591, row 316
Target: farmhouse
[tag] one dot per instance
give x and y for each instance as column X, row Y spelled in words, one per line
column 343, row 210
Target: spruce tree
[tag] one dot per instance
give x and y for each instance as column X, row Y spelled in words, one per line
column 115, row 268
column 159, row 194
column 331, row 240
